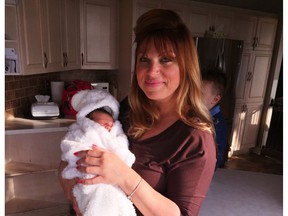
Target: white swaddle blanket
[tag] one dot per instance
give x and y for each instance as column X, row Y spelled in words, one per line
column 98, row 199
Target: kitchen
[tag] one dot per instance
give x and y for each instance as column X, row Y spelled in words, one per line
column 87, row 63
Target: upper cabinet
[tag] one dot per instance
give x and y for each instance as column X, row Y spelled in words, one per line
column 142, row 6
column 40, row 35
column 265, row 35
column 47, row 36
column 11, row 39
column 70, row 34
column 202, row 19
column 258, row 33
column 207, row 21
column 98, row 24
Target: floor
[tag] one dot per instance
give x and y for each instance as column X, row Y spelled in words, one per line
column 255, row 163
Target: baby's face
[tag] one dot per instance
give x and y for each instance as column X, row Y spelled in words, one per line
column 103, row 119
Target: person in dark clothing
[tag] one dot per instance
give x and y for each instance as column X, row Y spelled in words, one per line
column 170, row 129
column 214, row 84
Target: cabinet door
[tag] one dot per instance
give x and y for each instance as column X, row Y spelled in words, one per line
column 253, row 116
column 180, row 9
column 31, row 43
column 244, row 77
column 266, row 32
column 70, row 34
column 222, row 22
column 258, row 80
column 98, row 34
column 51, row 34
column 142, row 6
column 245, row 29
column 40, row 36
column 237, row 128
column 245, row 127
column 198, row 21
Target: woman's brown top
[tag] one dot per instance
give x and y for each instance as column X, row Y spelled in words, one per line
column 179, row 163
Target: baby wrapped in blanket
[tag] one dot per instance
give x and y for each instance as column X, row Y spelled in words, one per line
column 96, row 123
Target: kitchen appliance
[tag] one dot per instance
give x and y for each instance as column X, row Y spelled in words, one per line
column 57, row 88
column 226, row 55
column 45, row 109
column 101, row 85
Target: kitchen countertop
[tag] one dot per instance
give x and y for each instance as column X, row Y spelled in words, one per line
column 23, row 125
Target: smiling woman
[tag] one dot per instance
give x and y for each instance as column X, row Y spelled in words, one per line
column 169, row 128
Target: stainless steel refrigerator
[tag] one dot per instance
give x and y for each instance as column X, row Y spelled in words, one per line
column 224, row 54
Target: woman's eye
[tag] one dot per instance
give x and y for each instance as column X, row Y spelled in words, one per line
column 165, row 60
column 143, row 59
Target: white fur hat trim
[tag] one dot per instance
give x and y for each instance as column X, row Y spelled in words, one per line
column 86, row 101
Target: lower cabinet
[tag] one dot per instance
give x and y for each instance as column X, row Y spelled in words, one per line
column 31, row 181
column 245, row 127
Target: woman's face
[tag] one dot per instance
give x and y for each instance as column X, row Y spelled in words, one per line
column 158, row 74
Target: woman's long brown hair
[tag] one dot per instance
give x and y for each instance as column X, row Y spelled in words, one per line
column 166, row 29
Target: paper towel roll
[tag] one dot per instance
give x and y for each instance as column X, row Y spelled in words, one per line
column 57, row 88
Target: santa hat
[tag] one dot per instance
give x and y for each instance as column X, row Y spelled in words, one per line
column 86, row 101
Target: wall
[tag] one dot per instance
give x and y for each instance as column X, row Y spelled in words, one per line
column 20, row 90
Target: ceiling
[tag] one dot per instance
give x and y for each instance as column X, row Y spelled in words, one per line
column 269, row 6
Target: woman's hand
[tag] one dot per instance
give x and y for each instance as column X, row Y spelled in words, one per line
column 107, row 167
column 67, row 186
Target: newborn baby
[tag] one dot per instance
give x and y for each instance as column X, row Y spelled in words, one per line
column 97, row 124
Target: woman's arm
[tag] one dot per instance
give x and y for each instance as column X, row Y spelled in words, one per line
column 67, row 186
column 112, row 170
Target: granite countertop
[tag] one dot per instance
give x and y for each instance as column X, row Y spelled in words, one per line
column 23, row 125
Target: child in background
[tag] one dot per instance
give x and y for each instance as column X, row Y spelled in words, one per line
column 214, row 84
column 96, row 124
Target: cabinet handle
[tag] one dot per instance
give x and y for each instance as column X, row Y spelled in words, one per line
column 254, row 43
column 82, row 55
column 251, row 76
column 248, row 76
column 244, row 108
column 45, row 60
column 65, row 59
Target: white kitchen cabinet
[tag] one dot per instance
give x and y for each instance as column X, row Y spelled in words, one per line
column 70, row 34
column 265, row 35
column 98, row 26
column 245, row 127
column 250, row 93
column 31, row 179
column 142, row 6
column 257, row 32
column 203, row 20
column 47, row 35
column 40, row 35
column 12, row 56
column 198, row 21
column 253, row 76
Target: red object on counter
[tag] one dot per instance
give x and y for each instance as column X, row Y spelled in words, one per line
column 70, row 90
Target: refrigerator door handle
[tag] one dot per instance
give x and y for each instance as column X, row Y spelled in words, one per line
column 219, row 63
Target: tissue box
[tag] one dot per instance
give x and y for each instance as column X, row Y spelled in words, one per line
column 49, row 109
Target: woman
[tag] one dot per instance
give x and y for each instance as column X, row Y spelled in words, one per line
column 169, row 128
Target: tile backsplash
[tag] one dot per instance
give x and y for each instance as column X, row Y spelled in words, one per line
column 20, row 91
